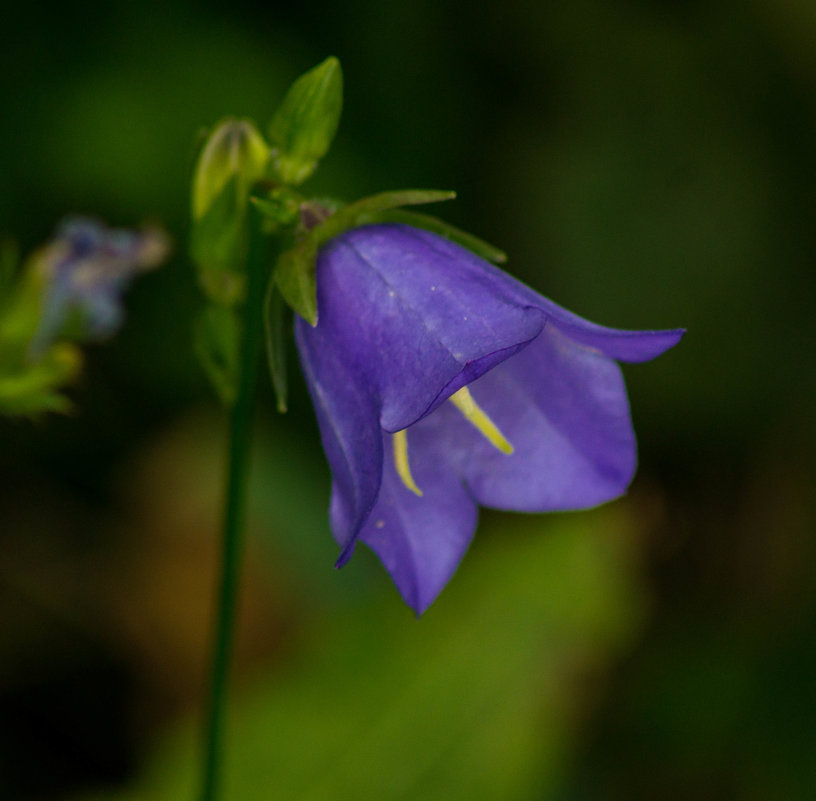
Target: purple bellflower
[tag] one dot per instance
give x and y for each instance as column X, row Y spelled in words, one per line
column 87, row 268
column 440, row 383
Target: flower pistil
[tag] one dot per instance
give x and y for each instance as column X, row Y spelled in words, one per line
column 473, row 413
column 400, row 439
column 480, row 420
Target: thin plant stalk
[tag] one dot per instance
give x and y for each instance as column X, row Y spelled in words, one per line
column 259, row 262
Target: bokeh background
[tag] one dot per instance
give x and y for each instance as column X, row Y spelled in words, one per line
column 646, row 163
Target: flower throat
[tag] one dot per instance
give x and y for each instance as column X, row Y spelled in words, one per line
column 473, row 413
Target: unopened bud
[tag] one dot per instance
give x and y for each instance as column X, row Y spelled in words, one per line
column 236, row 150
column 304, row 125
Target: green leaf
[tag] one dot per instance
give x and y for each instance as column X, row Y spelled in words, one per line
column 306, row 122
column 295, row 272
column 23, row 304
column 481, row 699
column 35, row 387
column 216, row 334
column 274, row 315
column 433, row 224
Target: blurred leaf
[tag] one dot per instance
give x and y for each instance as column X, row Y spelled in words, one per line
column 218, row 244
column 305, row 124
column 23, row 304
column 35, row 388
column 477, row 700
column 216, row 341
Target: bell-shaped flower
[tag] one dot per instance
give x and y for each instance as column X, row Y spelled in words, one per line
column 441, row 383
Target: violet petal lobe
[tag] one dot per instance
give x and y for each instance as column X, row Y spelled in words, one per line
column 350, row 431
column 564, row 409
column 421, row 541
column 411, row 313
column 621, row 344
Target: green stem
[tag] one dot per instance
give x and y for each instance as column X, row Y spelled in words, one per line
column 258, row 265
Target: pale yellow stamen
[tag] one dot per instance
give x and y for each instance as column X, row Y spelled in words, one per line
column 401, row 462
column 478, row 418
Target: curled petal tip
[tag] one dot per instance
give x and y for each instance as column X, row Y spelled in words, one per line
column 345, row 555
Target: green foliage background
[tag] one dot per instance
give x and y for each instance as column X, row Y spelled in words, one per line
column 646, row 164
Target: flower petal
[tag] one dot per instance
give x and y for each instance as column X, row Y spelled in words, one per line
column 421, row 541
column 350, row 431
column 411, row 312
column 626, row 346
column 564, row 409
column 621, row 344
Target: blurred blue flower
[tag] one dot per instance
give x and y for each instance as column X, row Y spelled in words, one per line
column 538, row 418
column 86, row 268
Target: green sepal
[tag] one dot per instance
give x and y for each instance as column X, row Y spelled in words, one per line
column 436, row 226
column 351, row 216
column 33, row 387
column 304, row 125
column 274, row 326
column 216, row 338
column 295, row 277
column 295, row 271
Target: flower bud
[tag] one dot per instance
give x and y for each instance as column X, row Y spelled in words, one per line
column 304, row 125
column 233, row 159
column 235, row 149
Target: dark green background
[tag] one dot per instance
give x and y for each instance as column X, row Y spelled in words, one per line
column 644, row 163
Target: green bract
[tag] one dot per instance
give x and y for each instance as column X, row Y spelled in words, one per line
column 304, row 125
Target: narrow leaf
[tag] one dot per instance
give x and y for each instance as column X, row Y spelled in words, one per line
column 216, row 335
column 350, row 216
